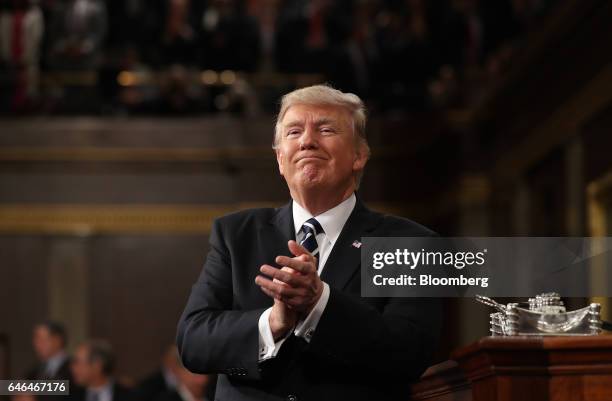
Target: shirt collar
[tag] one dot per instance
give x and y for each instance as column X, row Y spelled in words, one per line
column 53, row 364
column 105, row 392
column 169, row 378
column 331, row 220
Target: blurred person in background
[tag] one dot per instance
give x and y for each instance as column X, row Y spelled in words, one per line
column 49, row 340
column 77, row 29
column 74, row 54
column 163, row 379
column 350, row 47
column 266, row 13
column 302, row 35
column 179, row 95
column 190, row 387
column 229, row 38
column 137, row 24
column 404, row 37
column 92, row 367
column 178, row 36
column 21, row 32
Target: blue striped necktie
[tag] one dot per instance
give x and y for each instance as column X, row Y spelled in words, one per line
column 310, row 229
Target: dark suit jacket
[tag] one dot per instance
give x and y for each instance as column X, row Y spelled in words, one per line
column 362, row 349
column 122, row 393
column 151, row 387
column 170, row 395
column 63, row 372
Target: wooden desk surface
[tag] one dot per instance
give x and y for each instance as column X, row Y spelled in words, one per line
column 523, row 369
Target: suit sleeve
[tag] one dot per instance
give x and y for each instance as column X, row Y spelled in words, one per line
column 211, row 337
column 396, row 342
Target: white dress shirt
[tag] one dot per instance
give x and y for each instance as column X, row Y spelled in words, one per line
column 55, row 363
column 169, row 378
column 332, row 222
column 102, row 393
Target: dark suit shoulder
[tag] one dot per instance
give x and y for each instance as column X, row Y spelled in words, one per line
column 243, row 218
column 169, row 395
column 155, row 380
column 64, row 372
column 150, row 386
column 260, row 213
column 122, row 393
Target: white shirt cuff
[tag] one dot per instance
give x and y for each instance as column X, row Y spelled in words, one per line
column 307, row 327
column 267, row 347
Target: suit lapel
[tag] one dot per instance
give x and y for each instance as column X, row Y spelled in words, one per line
column 277, row 233
column 345, row 258
column 272, row 239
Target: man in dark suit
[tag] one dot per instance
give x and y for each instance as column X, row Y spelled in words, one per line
column 190, row 387
column 49, row 340
column 162, row 380
column 92, row 367
column 277, row 308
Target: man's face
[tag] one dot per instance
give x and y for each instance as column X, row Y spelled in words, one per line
column 83, row 369
column 45, row 343
column 317, row 148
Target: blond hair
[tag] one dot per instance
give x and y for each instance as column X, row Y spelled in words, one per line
column 325, row 95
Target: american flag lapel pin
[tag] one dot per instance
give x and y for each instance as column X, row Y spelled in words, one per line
column 357, row 244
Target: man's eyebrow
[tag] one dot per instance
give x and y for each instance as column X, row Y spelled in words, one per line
column 324, row 120
column 317, row 122
column 294, row 123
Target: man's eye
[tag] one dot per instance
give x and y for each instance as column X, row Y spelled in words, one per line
column 292, row 132
column 327, row 130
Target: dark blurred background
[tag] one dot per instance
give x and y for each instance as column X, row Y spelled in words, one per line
column 127, row 126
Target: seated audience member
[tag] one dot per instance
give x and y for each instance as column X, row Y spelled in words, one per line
column 76, row 33
column 92, row 367
column 190, row 387
column 49, row 340
column 21, row 32
column 162, row 380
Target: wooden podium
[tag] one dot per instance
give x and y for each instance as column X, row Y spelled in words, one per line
column 523, row 369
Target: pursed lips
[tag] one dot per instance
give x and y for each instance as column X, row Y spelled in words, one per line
column 309, row 157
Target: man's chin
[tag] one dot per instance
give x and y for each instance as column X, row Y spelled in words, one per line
column 311, row 184
column 311, row 181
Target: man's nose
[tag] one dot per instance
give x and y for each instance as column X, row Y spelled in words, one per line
column 308, row 139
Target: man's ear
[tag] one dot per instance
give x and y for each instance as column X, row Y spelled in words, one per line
column 361, row 158
column 98, row 366
column 57, row 342
column 279, row 160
